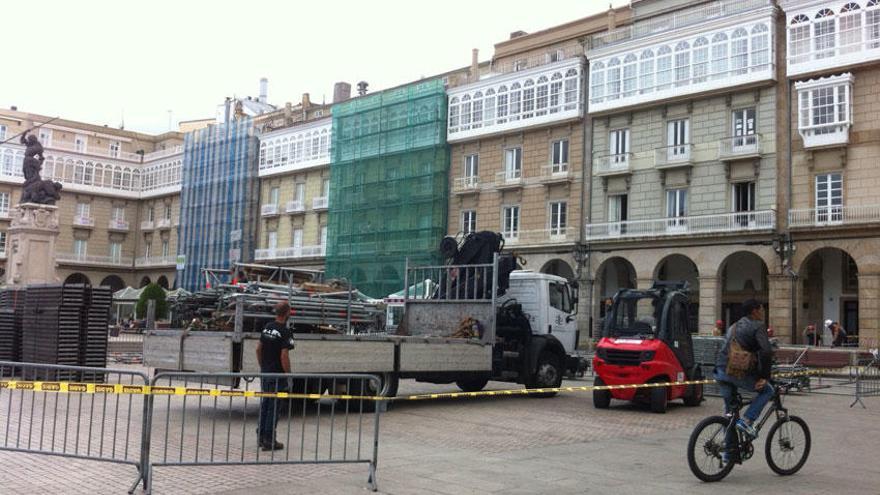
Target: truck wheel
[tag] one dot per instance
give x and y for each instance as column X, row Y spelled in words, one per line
column 694, row 394
column 658, row 400
column 388, row 383
column 548, row 374
column 601, row 398
column 472, row 384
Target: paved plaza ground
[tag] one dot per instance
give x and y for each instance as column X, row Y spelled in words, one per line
column 512, row 445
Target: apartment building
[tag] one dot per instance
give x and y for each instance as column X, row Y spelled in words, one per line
column 684, row 109
column 518, row 138
column 294, row 171
column 833, row 76
column 119, row 206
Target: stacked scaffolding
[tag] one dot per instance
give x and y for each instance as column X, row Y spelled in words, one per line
column 389, row 185
column 219, row 199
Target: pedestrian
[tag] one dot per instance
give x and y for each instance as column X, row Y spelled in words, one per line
column 273, row 354
column 838, row 335
column 827, row 335
column 718, row 329
column 746, row 338
column 811, row 336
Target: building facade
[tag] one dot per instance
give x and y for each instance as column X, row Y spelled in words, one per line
column 833, row 70
column 518, row 143
column 120, row 203
column 683, row 177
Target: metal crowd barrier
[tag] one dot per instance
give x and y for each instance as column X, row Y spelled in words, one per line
column 222, row 429
column 867, row 379
column 187, row 419
column 101, row 426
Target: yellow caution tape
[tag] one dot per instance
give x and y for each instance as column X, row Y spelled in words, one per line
column 121, row 389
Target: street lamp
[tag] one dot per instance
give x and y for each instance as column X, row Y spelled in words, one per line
column 785, row 249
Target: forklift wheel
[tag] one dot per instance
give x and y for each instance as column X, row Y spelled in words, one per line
column 658, row 400
column 694, row 394
column 601, row 398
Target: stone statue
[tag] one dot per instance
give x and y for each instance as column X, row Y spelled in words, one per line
column 35, row 189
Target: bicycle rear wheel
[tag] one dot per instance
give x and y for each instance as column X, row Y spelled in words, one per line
column 705, row 449
column 788, row 445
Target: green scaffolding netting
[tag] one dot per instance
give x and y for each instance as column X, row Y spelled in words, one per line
column 389, row 185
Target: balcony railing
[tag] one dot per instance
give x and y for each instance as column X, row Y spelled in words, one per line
column 4, row 214
column 539, row 237
column 290, row 252
column 83, row 221
column 163, row 223
column 679, row 155
column 117, row 225
column 295, row 206
column 466, row 185
column 739, row 147
column 833, row 215
column 508, row 179
column 147, row 225
column 163, row 153
column 320, row 203
column 94, row 260
column 269, row 210
column 155, row 261
column 618, row 164
column 3, row 254
column 702, row 224
column 551, row 174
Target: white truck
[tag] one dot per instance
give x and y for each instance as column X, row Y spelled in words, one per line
column 528, row 335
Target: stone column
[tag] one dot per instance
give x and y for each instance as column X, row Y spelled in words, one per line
column 710, row 304
column 585, row 312
column 779, row 307
column 32, row 236
column 869, row 310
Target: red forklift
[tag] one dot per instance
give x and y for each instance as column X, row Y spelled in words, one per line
column 646, row 338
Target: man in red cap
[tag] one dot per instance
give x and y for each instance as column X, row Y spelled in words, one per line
column 718, row 331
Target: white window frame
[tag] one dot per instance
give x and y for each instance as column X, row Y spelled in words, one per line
column 118, row 214
column 5, row 201
column 80, row 143
column 166, row 248
column 3, row 130
column 471, row 166
column 272, row 240
column 274, row 195
column 2, row 241
column 618, row 146
column 744, row 215
column 678, row 138
column 325, row 187
column 45, row 137
column 513, row 163
column 323, row 237
column 510, row 221
column 558, row 218
column 83, row 210
column 825, row 112
column 829, row 206
column 676, row 209
column 744, row 128
column 299, row 192
column 148, row 248
column 296, row 239
column 618, row 213
column 115, row 252
column 81, row 248
column 115, row 149
column 468, row 221
column 559, row 155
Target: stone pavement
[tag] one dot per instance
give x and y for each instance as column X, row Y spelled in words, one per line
column 513, row 445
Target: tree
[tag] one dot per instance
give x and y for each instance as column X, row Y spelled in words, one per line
column 152, row 291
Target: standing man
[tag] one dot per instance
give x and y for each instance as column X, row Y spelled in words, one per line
column 273, row 354
column 751, row 336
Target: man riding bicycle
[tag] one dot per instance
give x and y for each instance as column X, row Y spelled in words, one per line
column 748, row 335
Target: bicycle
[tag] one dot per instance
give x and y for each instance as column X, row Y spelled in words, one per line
column 787, row 446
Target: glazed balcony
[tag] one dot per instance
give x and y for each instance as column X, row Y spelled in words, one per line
column 520, row 99
column 683, row 226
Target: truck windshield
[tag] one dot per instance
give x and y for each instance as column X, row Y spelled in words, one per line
column 634, row 315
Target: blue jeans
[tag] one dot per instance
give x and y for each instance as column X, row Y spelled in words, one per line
column 270, row 408
column 746, row 383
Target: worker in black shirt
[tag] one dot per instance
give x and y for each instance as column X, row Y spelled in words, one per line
column 273, row 350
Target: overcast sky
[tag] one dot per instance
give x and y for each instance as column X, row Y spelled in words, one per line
column 93, row 60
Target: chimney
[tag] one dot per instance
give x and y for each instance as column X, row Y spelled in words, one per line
column 612, row 18
column 362, row 88
column 306, row 102
column 264, row 90
column 13, row 108
column 288, row 111
column 341, row 91
column 475, row 65
column 517, row 34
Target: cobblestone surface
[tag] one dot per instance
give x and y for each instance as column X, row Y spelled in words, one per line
column 504, row 445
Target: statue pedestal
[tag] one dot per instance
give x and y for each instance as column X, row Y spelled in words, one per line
column 31, row 245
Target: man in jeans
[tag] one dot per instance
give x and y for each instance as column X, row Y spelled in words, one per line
column 752, row 336
column 273, row 354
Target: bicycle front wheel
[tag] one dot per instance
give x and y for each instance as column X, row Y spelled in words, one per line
column 788, row 445
column 706, row 448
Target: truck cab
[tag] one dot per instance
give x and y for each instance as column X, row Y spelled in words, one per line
column 550, row 302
